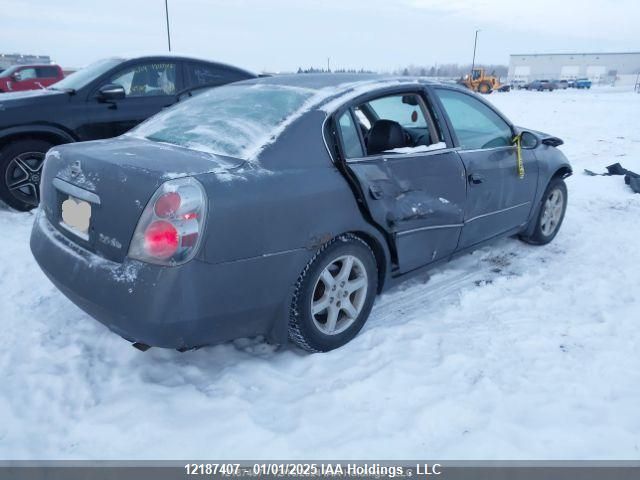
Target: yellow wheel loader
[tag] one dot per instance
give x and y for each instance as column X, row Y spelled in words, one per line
column 478, row 81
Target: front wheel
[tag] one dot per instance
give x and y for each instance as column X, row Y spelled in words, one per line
column 485, row 88
column 20, row 170
column 334, row 295
column 550, row 214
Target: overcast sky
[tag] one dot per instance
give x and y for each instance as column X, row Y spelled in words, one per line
column 281, row 35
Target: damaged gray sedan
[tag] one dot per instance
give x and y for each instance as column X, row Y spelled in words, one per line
column 282, row 206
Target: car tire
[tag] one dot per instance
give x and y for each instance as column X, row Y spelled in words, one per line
column 320, row 319
column 485, row 88
column 20, row 168
column 550, row 213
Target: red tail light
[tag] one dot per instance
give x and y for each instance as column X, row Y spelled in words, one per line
column 167, row 204
column 161, row 239
column 170, row 227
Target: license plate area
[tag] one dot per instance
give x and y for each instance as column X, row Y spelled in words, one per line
column 76, row 216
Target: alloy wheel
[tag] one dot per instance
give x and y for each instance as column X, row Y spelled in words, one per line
column 22, row 177
column 339, row 295
column 552, row 213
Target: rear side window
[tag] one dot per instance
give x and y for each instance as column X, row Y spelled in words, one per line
column 476, row 125
column 350, row 139
column 199, row 74
column 47, row 72
column 400, row 108
column 395, row 124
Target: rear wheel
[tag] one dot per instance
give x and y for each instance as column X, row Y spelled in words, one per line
column 20, row 169
column 551, row 213
column 334, row 295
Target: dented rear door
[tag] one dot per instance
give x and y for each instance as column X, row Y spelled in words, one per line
column 418, row 199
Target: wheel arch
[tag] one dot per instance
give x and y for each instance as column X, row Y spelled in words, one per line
column 381, row 255
column 563, row 172
column 54, row 135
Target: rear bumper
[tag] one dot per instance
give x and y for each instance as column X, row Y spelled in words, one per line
column 181, row 307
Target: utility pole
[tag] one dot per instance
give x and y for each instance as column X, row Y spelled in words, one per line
column 166, row 10
column 475, row 44
column 328, row 64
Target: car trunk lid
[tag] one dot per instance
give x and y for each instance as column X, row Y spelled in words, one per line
column 95, row 192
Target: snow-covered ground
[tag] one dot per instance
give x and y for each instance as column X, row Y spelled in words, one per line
column 513, row 352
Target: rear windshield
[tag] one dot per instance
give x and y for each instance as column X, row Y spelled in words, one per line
column 234, row 120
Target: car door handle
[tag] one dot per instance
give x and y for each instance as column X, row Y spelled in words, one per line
column 476, row 178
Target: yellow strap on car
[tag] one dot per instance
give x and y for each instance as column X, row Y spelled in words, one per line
column 517, row 140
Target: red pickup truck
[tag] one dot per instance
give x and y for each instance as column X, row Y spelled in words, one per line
column 29, row 77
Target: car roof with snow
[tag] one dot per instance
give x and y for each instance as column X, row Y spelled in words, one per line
column 333, row 89
column 317, row 81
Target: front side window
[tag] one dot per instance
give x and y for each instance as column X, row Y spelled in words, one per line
column 349, row 134
column 26, row 74
column 147, row 79
column 476, row 125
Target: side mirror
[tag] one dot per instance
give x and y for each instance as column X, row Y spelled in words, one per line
column 111, row 92
column 529, row 140
column 16, row 77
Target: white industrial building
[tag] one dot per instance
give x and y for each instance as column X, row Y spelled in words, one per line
column 600, row 68
column 9, row 59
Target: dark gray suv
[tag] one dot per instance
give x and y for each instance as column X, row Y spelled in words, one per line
column 102, row 100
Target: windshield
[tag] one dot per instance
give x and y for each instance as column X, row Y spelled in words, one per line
column 234, row 120
column 9, row 71
column 84, row 76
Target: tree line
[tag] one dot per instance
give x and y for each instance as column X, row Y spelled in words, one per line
column 451, row 70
